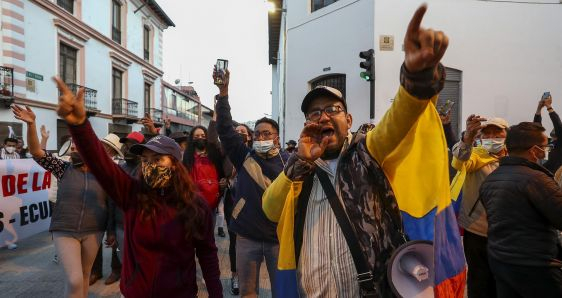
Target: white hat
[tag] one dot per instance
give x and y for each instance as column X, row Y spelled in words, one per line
column 112, row 140
column 499, row 122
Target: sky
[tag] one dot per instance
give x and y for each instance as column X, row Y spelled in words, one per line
column 227, row 29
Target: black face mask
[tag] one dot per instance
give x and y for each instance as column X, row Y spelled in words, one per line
column 76, row 159
column 200, row 144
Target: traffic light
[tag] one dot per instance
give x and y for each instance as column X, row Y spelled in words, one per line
column 368, row 65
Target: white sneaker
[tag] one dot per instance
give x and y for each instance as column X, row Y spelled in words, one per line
column 12, row 246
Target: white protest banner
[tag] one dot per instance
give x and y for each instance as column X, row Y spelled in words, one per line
column 24, row 204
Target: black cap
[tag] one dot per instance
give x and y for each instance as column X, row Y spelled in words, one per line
column 291, row 142
column 159, row 144
column 319, row 91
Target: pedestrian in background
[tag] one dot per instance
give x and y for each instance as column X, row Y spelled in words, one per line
column 524, row 207
column 80, row 218
column 166, row 224
column 476, row 163
column 256, row 167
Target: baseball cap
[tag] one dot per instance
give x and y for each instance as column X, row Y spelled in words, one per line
column 159, row 144
column 178, row 136
column 112, row 140
column 319, row 91
column 133, row 136
column 499, row 122
column 292, row 142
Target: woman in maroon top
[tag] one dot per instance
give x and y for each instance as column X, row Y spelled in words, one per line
column 166, row 224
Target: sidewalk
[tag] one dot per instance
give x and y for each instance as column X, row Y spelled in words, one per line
column 29, row 272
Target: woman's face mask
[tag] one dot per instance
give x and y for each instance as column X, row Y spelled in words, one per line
column 156, row 176
column 200, row 144
column 494, row 145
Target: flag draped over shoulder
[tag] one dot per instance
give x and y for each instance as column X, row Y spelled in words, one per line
column 418, row 172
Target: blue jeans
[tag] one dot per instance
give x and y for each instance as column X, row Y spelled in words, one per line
column 249, row 256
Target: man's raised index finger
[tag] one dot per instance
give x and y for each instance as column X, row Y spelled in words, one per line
column 416, row 20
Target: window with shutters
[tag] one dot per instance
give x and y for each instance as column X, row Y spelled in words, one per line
column 67, row 63
column 317, row 4
column 146, row 43
column 450, row 98
column 147, row 101
column 334, row 80
column 116, row 22
column 117, row 84
column 68, row 5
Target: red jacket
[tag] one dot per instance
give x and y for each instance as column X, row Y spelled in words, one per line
column 206, row 177
column 158, row 260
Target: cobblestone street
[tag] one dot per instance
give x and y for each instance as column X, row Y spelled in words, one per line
column 29, row 271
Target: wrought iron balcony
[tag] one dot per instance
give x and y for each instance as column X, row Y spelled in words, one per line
column 90, row 98
column 124, row 108
column 6, row 86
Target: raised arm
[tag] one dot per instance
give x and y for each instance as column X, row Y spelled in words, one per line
column 421, row 78
column 44, row 137
column 231, row 141
column 26, row 115
column 116, row 183
column 50, row 163
column 538, row 117
column 554, row 117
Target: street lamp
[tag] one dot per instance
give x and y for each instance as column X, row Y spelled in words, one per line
column 271, row 7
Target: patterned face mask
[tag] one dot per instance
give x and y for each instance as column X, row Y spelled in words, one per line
column 156, row 176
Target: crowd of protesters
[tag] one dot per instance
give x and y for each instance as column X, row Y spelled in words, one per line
column 156, row 196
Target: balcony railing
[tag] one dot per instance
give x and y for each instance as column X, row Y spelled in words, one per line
column 90, row 96
column 156, row 115
column 116, row 34
column 170, row 111
column 146, row 55
column 125, row 107
column 6, row 85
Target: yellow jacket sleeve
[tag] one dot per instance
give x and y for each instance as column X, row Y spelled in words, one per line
column 395, row 125
column 274, row 197
column 478, row 158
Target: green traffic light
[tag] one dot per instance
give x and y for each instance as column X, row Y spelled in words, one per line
column 365, row 75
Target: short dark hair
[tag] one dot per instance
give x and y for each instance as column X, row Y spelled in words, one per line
column 523, row 136
column 268, row 120
column 9, row 139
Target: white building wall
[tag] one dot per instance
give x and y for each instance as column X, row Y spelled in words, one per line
column 42, row 57
column 97, row 14
column 330, row 37
column 509, row 53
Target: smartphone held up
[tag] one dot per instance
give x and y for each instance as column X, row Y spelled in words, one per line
column 220, row 70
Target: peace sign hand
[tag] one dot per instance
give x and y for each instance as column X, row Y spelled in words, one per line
column 424, row 47
column 71, row 107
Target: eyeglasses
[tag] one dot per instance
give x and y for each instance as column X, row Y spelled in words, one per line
column 330, row 112
column 265, row 134
column 545, row 148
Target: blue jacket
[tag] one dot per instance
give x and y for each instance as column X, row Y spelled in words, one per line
column 254, row 176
